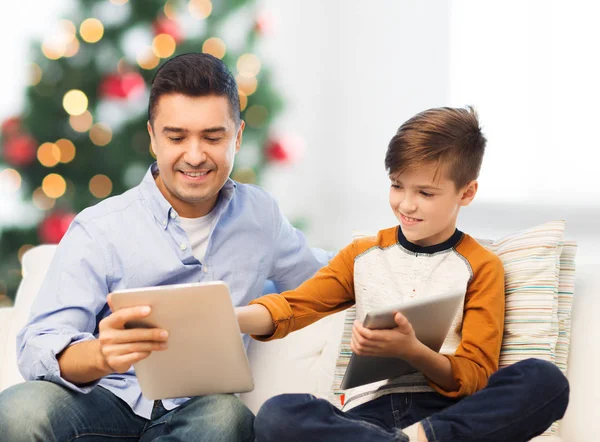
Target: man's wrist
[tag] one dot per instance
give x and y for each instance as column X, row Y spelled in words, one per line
column 101, row 363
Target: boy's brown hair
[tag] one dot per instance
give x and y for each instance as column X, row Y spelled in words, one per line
column 450, row 137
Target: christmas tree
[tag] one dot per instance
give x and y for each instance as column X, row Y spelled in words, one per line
column 82, row 135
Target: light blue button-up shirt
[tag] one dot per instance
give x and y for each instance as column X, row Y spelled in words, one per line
column 135, row 240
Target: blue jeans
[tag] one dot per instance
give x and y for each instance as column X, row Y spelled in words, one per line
column 43, row 411
column 520, row 402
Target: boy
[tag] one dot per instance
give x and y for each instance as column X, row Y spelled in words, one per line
column 433, row 163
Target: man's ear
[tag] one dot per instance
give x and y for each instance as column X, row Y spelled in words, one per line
column 151, row 133
column 238, row 141
column 468, row 193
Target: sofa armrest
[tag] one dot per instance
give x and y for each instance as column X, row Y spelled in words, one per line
column 6, row 316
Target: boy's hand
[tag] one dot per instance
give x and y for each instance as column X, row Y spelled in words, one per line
column 398, row 342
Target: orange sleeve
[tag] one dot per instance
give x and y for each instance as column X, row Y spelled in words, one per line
column 478, row 353
column 329, row 291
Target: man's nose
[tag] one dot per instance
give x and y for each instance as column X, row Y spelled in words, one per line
column 195, row 154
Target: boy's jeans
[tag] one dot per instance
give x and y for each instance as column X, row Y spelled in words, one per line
column 519, row 403
column 43, row 411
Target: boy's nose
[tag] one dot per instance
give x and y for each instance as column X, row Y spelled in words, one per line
column 407, row 206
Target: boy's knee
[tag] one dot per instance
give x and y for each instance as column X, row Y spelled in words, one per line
column 545, row 378
column 25, row 410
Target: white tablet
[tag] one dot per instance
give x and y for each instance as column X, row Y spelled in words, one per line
column 431, row 319
column 206, row 354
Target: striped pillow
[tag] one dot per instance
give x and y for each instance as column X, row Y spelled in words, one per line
column 531, row 260
column 537, row 322
column 566, row 286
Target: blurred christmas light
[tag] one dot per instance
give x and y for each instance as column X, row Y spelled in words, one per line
column 248, row 65
column 75, row 102
column 100, row 186
column 147, row 59
column 200, row 9
column 256, row 115
column 67, row 27
column 118, row 2
column 48, row 154
column 100, row 134
column 52, row 51
column 247, row 85
column 215, row 47
column 54, row 185
column 67, row 150
column 169, row 10
column 41, row 200
column 163, row 45
column 243, row 100
column 81, row 123
column 35, row 74
column 22, row 250
column 167, row 26
column 10, row 181
column 91, row 30
column 72, row 48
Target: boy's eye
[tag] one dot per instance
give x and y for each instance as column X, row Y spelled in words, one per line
column 425, row 194
column 214, row 140
column 176, row 139
column 396, row 186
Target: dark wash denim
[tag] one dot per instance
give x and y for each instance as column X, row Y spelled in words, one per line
column 46, row 412
column 520, row 402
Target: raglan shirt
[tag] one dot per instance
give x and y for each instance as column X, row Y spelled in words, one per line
column 386, row 270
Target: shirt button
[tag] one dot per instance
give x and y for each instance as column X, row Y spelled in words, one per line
column 173, row 215
column 183, row 247
column 164, row 224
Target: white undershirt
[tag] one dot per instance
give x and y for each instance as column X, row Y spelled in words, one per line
column 197, row 230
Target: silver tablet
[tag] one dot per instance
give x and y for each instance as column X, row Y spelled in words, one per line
column 206, row 354
column 431, row 319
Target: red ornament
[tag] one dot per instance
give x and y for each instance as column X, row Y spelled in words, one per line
column 10, row 127
column 126, row 86
column 264, row 24
column 167, row 26
column 286, row 149
column 19, row 150
column 54, row 227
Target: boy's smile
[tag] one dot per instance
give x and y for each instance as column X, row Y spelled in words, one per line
column 427, row 203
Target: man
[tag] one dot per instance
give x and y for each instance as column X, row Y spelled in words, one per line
column 186, row 222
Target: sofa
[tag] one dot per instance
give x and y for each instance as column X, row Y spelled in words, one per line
column 305, row 361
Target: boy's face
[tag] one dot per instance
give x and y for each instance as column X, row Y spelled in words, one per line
column 195, row 141
column 427, row 205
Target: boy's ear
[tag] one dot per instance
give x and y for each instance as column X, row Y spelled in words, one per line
column 468, row 193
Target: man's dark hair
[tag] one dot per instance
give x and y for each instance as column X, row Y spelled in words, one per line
column 195, row 75
column 450, row 137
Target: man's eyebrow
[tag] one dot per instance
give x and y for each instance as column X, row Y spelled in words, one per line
column 205, row 131
column 215, row 129
column 173, row 129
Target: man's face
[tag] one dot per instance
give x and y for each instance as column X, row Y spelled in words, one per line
column 427, row 205
column 195, row 141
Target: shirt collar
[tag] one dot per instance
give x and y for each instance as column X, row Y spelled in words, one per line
column 162, row 209
column 448, row 244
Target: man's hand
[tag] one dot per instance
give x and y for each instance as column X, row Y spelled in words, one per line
column 399, row 342
column 120, row 348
